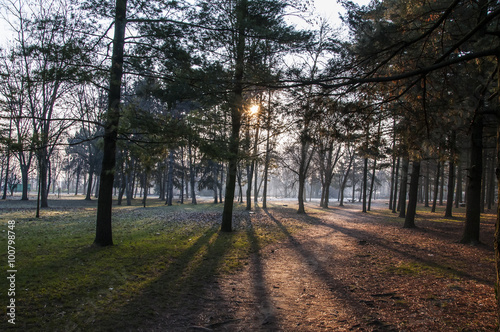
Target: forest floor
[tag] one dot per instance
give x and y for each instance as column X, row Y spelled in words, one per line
column 334, row 269
column 349, row 271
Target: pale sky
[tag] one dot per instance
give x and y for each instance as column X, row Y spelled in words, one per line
column 330, row 9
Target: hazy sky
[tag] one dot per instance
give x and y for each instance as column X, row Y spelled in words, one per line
column 330, row 9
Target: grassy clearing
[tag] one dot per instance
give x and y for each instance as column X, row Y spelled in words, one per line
column 160, row 254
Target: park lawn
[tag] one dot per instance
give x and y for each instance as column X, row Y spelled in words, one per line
column 64, row 283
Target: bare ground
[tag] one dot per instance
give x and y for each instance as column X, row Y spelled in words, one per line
column 349, row 271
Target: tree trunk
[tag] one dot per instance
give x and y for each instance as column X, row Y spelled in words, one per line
column 104, row 206
column 441, row 187
column 221, row 183
column 240, row 186
column 145, row 197
column 412, row 196
column 305, row 159
column 236, row 113
column 250, row 169
column 403, row 187
column 451, row 186
column 458, row 196
column 266, row 169
column 129, row 192
column 396, row 179
column 302, row 180
column 215, row 186
column 4, row 194
column 344, row 181
column 192, row 178
column 371, row 184
column 353, row 180
column 254, row 161
column 473, row 208
column 183, row 175
column 496, row 243
column 426, row 184
column 123, row 185
column 365, row 181
column 268, row 151
column 491, row 183
column 436, row 186
column 24, row 175
column 393, row 171
column 89, row 184
column 77, row 182
column 97, row 184
column 483, row 181
column 170, row 179
column 161, row 181
column 43, row 166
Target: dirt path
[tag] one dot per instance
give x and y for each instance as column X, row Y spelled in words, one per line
column 348, row 271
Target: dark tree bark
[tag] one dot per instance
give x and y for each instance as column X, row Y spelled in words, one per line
column 97, row 184
column 353, row 180
column 254, row 159
column 404, row 185
column 236, row 112
column 24, row 176
column 77, row 182
column 215, row 187
column 365, row 181
column 441, row 187
column 129, row 191
column 491, row 184
column 372, row 184
column 183, row 175
column 329, row 173
column 483, row 181
column 192, row 175
column 396, row 178
column 344, row 181
column 170, row 179
column 412, row 196
column 4, row 194
column 458, row 195
column 221, row 183
column 393, row 171
column 496, row 243
column 89, row 185
column 473, row 208
column 250, row 170
column 436, row 186
column 104, row 206
column 123, row 186
column 451, row 187
column 305, row 159
column 267, row 160
column 426, row 184
column 145, row 184
column 42, row 156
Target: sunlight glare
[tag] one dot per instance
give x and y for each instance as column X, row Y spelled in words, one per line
column 254, row 109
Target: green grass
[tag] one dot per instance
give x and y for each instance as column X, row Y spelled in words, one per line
column 160, row 254
column 417, row 269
